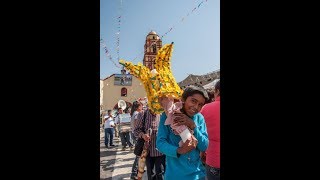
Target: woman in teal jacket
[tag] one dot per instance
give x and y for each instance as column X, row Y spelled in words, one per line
column 184, row 162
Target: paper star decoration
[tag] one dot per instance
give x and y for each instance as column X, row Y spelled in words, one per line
column 160, row 81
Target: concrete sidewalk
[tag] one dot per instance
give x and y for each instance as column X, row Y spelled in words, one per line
column 116, row 164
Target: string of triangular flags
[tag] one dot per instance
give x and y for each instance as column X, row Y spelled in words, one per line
column 118, row 33
column 118, row 37
column 104, row 46
column 171, row 28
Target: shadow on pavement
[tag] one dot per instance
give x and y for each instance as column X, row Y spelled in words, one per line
column 129, row 159
column 120, row 166
column 120, row 176
column 107, row 161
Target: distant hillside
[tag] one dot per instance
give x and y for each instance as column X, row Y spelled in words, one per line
column 199, row 79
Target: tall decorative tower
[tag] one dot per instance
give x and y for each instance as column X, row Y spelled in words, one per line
column 151, row 48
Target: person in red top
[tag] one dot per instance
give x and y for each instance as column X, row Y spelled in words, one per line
column 211, row 113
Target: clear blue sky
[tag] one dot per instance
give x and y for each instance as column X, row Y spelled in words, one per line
column 196, row 38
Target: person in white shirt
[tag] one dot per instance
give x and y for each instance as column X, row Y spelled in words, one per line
column 108, row 129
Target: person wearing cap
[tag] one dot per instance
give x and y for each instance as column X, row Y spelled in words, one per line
column 108, row 129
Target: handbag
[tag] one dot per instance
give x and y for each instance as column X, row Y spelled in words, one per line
column 140, row 142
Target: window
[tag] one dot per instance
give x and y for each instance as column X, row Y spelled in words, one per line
column 123, row 91
column 154, row 48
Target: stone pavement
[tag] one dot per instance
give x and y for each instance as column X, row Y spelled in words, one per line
column 114, row 163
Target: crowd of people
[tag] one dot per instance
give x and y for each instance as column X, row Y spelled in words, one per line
column 168, row 157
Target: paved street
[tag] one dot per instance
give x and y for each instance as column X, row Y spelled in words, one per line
column 114, row 163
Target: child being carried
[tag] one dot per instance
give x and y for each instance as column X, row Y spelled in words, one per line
column 170, row 107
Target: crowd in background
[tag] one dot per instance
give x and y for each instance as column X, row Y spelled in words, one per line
column 196, row 158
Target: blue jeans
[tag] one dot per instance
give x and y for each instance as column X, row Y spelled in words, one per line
column 108, row 132
column 212, row 173
column 134, row 170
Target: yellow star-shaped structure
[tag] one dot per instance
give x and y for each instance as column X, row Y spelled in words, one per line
column 160, row 81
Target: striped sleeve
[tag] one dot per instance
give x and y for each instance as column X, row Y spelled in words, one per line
column 138, row 131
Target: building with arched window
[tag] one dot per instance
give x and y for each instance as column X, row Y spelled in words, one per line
column 111, row 91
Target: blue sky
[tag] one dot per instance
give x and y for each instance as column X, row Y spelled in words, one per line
column 196, row 36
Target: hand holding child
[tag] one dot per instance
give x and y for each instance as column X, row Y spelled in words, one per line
column 188, row 146
column 182, row 119
column 146, row 137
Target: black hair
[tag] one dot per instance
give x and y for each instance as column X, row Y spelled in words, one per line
column 210, row 94
column 192, row 89
column 217, row 86
column 135, row 106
